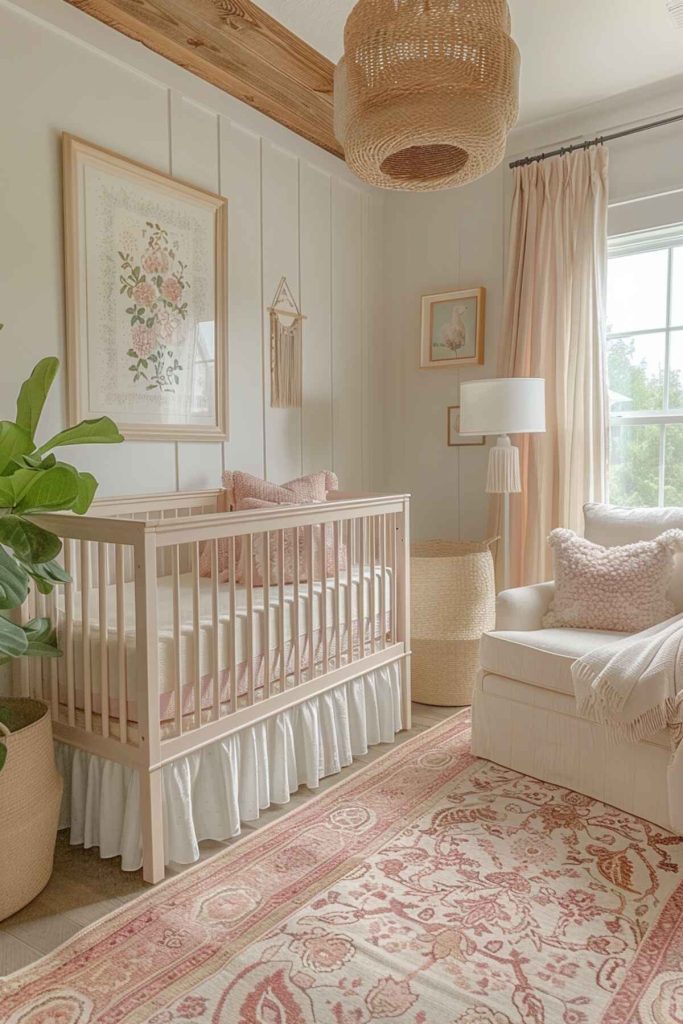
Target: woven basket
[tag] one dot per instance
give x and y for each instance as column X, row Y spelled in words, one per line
column 452, row 603
column 30, row 797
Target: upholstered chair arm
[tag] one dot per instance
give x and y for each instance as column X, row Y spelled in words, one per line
column 524, row 607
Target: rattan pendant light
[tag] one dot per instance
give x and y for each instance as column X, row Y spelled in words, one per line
column 426, row 92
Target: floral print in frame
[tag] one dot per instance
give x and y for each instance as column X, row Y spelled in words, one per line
column 146, row 298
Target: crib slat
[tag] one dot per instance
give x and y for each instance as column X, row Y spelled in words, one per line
column 41, row 663
column 323, row 590
column 232, row 569
column 372, row 526
column 281, row 606
column 336, row 595
column 296, row 627
column 383, row 581
column 69, row 635
column 215, row 626
column 52, row 662
column 121, row 660
column 361, row 587
column 310, row 568
column 394, row 565
column 249, row 584
column 85, row 633
column 265, row 541
column 177, row 634
column 349, row 589
column 197, row 636
column 103, row 603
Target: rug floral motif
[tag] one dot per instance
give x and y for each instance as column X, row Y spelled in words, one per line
column 430, row 888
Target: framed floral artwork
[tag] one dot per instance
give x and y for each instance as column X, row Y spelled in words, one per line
column 453, row 326
column 454, row 437
column 146, row 298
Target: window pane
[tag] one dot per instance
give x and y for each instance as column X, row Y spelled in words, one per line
column 677, row 288
column 635, row 372
column 636, row 292
column 676, row 371
column 673, row 465
column 634, row 465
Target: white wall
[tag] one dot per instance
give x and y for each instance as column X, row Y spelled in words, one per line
column 293, row 210
column 436, row 242
column 457, row 239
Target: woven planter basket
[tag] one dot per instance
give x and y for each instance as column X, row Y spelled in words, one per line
column 453, row 601
column 30, row 797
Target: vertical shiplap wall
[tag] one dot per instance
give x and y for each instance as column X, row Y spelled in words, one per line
column 289, row 214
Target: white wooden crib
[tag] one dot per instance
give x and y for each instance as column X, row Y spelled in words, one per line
column 159, row 662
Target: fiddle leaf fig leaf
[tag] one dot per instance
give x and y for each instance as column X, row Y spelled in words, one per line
column 41, row 639
column 13, row 640
column 46, row 575
column 51, row 490
column 30, row 543
column 100, row 431
column 87, row 486
column 13, row 582
column 13, row 487
column 33, row 393
column 14, row 440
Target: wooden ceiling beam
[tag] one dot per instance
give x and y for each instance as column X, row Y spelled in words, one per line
column 237, row 47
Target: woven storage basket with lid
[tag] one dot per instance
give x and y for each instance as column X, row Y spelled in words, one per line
column 453, row 601
column 30, row 798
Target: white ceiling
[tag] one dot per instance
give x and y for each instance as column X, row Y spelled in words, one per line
column 573, row 53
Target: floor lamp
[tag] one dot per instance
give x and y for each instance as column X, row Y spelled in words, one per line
column 511, row 405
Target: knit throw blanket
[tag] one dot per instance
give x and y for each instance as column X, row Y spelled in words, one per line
column 634, row 686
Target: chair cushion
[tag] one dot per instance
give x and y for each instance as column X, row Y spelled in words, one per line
column 541, row 657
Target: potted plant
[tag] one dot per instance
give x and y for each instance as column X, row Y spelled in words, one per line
column 32, row 481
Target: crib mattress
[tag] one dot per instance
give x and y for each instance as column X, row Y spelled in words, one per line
column 177, row 661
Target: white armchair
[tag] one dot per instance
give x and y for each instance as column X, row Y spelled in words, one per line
column 524, row 712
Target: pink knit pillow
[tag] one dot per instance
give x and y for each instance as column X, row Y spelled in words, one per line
column 243, row 492
column 288, row 560
column 305, row 490
column 623, row 589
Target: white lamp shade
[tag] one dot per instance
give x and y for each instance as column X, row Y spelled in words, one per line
column 510, row 405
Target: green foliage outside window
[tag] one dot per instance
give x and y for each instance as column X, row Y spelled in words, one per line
column 635, row 449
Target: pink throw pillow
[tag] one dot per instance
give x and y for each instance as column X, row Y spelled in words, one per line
column 622, row 589
column 244, row 491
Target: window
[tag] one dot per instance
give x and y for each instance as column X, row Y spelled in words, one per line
column 645, row 368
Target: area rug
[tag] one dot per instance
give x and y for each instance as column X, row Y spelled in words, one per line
column 428, row 888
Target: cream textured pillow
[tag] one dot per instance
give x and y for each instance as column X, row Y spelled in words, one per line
column 623, row 589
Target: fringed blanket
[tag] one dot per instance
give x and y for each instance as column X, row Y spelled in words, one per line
column 634, row 686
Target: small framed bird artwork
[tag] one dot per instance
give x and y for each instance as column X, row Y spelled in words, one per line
column 453, row 326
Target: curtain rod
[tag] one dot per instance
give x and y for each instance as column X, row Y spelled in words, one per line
column 598, row 141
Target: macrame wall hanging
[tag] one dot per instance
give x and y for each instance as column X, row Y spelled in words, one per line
column 286, row 331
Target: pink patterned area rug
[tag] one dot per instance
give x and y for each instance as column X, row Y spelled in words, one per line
column 430, row 888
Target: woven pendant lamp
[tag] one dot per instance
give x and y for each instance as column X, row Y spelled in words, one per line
column 426, row 92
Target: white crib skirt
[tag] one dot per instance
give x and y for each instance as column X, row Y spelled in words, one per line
column 207, row 794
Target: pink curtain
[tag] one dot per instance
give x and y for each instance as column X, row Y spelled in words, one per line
column 553, row 328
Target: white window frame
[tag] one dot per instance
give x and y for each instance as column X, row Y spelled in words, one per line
column 625, row 245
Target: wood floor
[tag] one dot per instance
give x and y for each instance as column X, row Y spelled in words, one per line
column 84, row 888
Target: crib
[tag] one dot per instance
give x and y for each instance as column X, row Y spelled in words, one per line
column 161, row 660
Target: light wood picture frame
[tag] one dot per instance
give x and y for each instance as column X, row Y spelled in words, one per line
column 146, row 298
column 454, row 438
column 453, row 326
